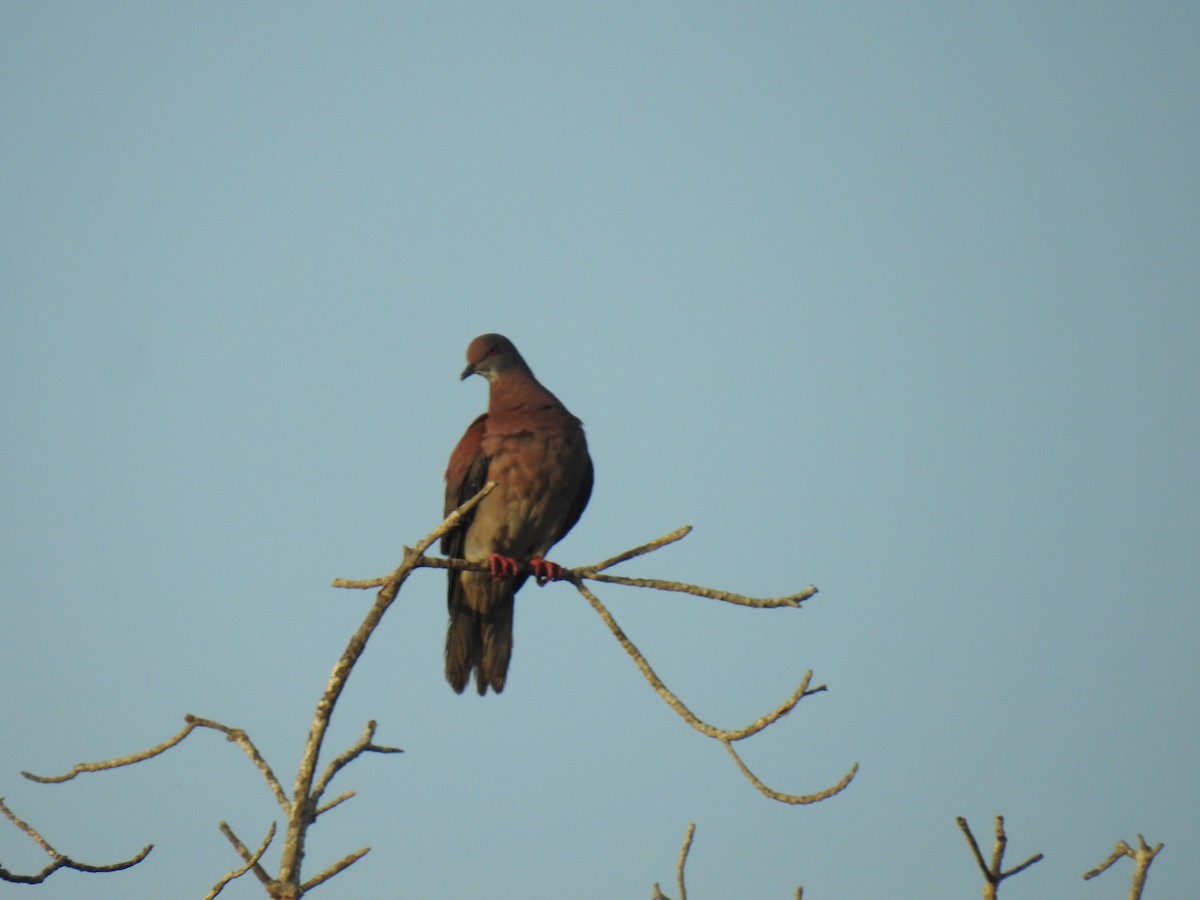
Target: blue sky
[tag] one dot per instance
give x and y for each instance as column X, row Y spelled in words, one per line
column 899, row 300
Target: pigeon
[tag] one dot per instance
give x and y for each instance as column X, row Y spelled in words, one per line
column 536, row 452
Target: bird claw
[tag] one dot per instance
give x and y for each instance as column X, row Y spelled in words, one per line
column 544, row 570
column 503, row 566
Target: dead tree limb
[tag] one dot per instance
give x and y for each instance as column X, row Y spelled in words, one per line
column 59, row 860
column 726, row 737
column 992, row 874
column 1142, row 857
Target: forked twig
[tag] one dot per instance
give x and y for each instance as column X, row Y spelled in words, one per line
column 60, row 860
column 364, row 744
column 726, row 737
column 683, row 855
column 992, row 874
column 1142, row 857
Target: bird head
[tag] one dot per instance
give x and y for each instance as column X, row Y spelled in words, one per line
column 490, row 355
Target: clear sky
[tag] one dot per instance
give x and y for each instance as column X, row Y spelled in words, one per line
column 895, row 299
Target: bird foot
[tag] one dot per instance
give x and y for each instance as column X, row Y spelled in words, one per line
column 503, row 566
column 544, row 570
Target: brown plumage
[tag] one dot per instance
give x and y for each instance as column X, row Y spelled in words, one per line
column 536, row 452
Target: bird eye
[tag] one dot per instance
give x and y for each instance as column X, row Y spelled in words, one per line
column 493, row 350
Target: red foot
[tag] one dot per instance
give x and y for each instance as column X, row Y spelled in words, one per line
column 544, row 570
column 502, row 566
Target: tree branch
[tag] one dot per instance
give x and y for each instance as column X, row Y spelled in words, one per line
column 577, row 577
column 339, row 866
column 992, row 874
column 303, row 806
column 724, row 736
column 1142, row 857
column 234, row 735
column 361, row 746
column 251, row 859
column 683, row 855
column 60, row 860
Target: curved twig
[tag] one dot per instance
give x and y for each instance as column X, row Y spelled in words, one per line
column 725, row 736
column 792, row 799
column 119, row 761
column 60, row 860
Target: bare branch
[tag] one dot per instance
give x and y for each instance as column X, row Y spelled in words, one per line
column 658, row 584
column 115, row 763
column 792, row 799
column 340, row 866
column 234, row 735
column 239, row 737
column 992, row 874
column 683, row 855
column 724, row 736
column 593, row 573
column 649, row 547
column 362, row 745
column 1142, row 857
column 60, row 860
column 252, row 860
column 303, row 806
column 337, row 801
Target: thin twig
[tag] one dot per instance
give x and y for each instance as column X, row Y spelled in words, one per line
column 648, row 547
column 60, row 860
column 118, row 761
column 658, row 584
column 792, row 799
column 679, row 867
column 339, row 866
column 683, row 855
column 252, row 860
column 337, row 801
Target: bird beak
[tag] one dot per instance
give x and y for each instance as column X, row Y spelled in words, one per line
column 467, row 372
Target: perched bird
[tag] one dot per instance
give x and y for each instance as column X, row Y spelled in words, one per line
column 535, row 450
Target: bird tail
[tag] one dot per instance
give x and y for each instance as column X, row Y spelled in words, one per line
column 480, row 640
